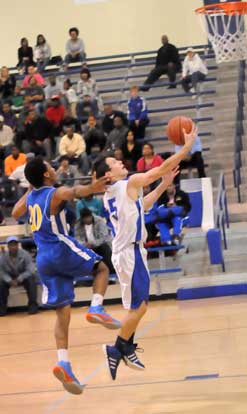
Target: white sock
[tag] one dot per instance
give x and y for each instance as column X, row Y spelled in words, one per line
column 63, row 355
column 97, row 299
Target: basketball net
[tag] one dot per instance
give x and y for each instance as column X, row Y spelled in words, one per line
column 224, row 24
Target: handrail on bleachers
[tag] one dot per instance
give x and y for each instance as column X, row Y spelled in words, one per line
column 221, row 208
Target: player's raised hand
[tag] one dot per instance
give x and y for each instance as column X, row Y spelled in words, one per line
column 169, row 177
column 190, row 138
column 100, row 185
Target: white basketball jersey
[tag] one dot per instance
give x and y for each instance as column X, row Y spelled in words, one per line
column 125, row 216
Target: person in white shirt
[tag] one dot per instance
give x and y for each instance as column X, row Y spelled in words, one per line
column 42, row 53
column 6, row 140
column 73, row 145
column 71, row 96
column 194, row 71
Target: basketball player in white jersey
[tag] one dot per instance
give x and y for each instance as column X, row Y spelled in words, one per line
column 125, row 208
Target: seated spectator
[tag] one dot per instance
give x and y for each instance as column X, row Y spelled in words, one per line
column 117, row 136
column 42, row 53
column 132, row 151
column 194, row 71
column 14, row 160
column 17, row 99
column 25, row 56
column 7, row 83
column 34, row 94
column 54, row 87
column 66, row 173
column 55, row 114
column 71, row 96
column 19, row 177
column 174, row 205
column 9, row 115
column 137, row 113
column 149, row 159
column 17, row 269
column 94, row 137
column 118, row 155
column 38, row 135
column 32, row 73
column 193, row 159
column 91, row 202
column 92, row 231
column 6, row 140
column 110, row 115
column 73, row 145
column 87, row 93
column 75, row 48
column 69, row 121
column 167, row 62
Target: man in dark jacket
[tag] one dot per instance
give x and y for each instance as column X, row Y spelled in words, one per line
column 17, row 269
column 110, row 115
column 167, row 62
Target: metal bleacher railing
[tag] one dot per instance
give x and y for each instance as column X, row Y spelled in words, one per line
column 221, row 209
column 238, row 143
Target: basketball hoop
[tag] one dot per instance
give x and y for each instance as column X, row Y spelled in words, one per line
column 224, row 26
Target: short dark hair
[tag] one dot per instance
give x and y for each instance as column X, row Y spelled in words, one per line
column 85, row 212
column 100, row 167
column 149, row 145
column 74, row 29
column 68, row 81
column 34, row 172
column 64, row 157
column 87, row 71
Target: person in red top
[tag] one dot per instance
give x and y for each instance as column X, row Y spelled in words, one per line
column 31, row 72
column 55, row 113
column 149, row 159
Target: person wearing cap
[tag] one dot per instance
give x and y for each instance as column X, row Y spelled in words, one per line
column 6, row 140
column 194, row 71
column 14, row 160
column 17, row 269
column 167, row 62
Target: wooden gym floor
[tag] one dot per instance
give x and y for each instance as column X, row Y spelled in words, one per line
column 195, row 357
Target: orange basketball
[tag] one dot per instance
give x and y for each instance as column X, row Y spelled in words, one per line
column 175, row 128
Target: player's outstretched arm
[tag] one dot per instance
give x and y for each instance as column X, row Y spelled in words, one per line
column 154, row 195
column 20, row 208
column 141, row 180
column 78, row 191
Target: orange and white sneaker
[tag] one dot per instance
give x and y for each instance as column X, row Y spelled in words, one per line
column 97, row 314
column 64, row 374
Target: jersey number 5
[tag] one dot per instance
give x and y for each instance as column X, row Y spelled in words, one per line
column 113, row 208
column 35, row 217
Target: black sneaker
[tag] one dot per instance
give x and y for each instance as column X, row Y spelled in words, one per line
column 130, row 358
column 113, row 358
column 3, row 310
column 33, row 309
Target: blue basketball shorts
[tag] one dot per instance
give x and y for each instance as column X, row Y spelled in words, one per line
column 59, row 264
column 133, row 274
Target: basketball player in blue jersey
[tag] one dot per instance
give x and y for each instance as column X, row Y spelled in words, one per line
column 125, row 208
column 60, row 258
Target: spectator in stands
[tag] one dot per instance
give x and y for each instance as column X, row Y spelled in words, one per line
column 25, row 56
column 54, row 87
column 117, row 136
column 194, row 71
column 193, row 159
column 88, row 94
column 19, row 177
column 110, row 115
column 42, row 53
column 32, row 73
column 6, row 140
column 137, row 113
column 132, row 151
column 91, row 202
column 73, row 145
column 17, row 99
column 94, row 137
column 7, row 83
column 75, row 48
column 9, row 115
column 175, row 205
column 17, row 269
column 69, row 120
column 14, row 160
column 149, row 159
column 167, row 62
column 92, row 231
column 55, row 113
column 66, row 173
column 34, row 95
column 71, row 96
column 38, row 135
